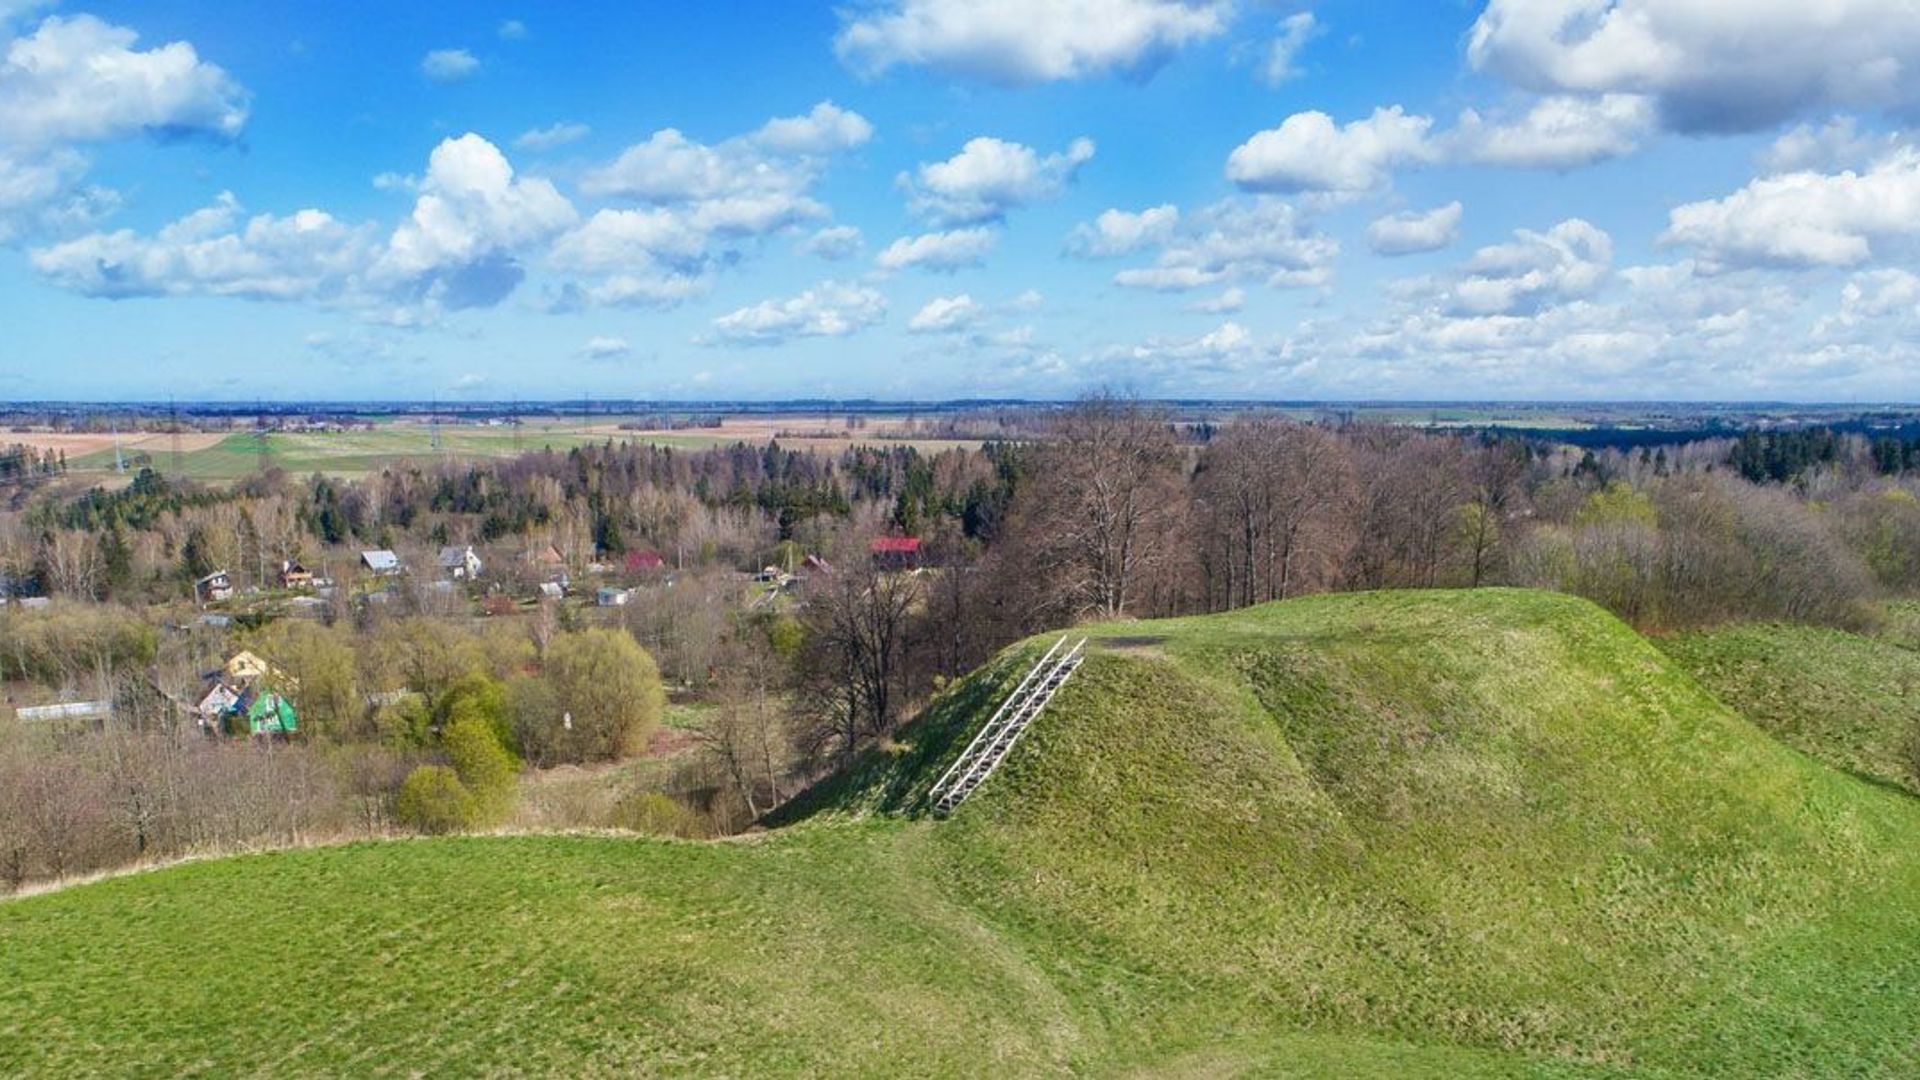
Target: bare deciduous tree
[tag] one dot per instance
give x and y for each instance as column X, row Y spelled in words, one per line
column 1274, row 495
column 1100, row 515
column 853, row 663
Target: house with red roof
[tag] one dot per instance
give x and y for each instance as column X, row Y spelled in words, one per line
column 895, row 552
column 645, row 562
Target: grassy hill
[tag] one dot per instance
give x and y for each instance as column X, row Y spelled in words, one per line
column 1490, row 833
column 1851, row 701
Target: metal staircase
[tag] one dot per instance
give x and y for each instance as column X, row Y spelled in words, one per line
column 990, row 747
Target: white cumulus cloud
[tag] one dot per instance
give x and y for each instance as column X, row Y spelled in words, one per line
column 1411, row 232
column 1016, row 42
column 1226, row 303
column 701, row 203
column 1710, row 65
column 1803, row 219
column 830, row 309
column 946, row 313
column 939, row 250
column 605, row 348
column 1558, row 132
column 461, row 246
column 215, row 251
column 833, row 243
column 825, row 129
column 989, row 177
column 1122, row 232
column 1238, row 240
column 551, row 137
column 1535, row 270
column 1308, row 152
column 79, row 81
column 449, row 65
column 1283, row 51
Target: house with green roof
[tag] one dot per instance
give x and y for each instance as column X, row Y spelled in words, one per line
column 262, row 712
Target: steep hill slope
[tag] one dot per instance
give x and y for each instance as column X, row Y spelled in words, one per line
column 1851, row 701
column 1490, row 833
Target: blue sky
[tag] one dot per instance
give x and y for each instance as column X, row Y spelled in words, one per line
column 1559, row 199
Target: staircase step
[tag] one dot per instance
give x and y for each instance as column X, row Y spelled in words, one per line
column 1003, row 729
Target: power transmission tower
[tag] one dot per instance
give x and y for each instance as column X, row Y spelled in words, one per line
column 173, row 427
column 264, row 455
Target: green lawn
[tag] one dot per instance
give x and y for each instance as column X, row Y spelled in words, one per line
column 353, row 452
column 1414, row 834
column 1851, row 701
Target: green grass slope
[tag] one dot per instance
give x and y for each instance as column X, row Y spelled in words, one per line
column 1851, row 701
column 1490, row 833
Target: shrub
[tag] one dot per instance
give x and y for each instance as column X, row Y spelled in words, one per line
column 536, row 727
column 433, row 800
column 610, row 687
column 484, row 768
column 659, row 815
column 478, row 695
column 405, row 724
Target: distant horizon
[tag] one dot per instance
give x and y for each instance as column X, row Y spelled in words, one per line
column 864, row 404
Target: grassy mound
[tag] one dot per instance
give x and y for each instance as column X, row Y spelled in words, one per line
column 1490, row 833
column 1851, row 701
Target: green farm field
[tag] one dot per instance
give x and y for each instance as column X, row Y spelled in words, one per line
column 389, row 443
column 1493, row 833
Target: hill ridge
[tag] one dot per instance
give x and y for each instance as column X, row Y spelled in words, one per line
column 1486, row 833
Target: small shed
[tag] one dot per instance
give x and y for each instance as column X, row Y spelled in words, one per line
column 70, row 710
column 382, row 562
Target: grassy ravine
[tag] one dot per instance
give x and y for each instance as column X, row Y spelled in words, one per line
column 1849, row 700
column 1443, row 834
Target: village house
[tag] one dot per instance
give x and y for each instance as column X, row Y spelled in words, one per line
column 246, row 666
column 260, row 711
column 295, row 576
column 217, row 695
column 460, row 563
column 246, row 695
column 895, row 552
column 214, row 588
column 640, row 563
column 610, row 596
column 547, row 560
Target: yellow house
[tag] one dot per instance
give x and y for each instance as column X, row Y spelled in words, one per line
column 245, row 668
